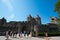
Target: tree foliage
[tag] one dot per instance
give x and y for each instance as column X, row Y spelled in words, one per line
column 59, row 24
column 57, row 7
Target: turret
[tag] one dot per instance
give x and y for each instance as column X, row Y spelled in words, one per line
column 38, row 20
column 29, row 18
column 3, row 20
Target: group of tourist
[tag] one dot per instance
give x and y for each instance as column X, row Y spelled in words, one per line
column 17, row 34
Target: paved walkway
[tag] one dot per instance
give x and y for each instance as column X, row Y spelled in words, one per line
column 30, row 38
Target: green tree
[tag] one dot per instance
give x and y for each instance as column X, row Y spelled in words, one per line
column 57, row 9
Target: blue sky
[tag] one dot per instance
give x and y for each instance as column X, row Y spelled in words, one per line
column 18, row 10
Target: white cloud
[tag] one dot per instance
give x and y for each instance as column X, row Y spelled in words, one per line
column 8, row 4
column 12, row 16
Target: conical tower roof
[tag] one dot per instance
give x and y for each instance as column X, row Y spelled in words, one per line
column 29, row 16
column 37, row 16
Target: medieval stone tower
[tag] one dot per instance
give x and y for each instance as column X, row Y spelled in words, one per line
column 33, row 23
column 38, row 20
column 29, row 18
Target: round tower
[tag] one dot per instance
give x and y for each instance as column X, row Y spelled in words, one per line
column 4, row 20
column 38, row 19
column 29, row 18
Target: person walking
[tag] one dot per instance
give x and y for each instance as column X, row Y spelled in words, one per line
column 7, row 35
column 46, row 36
